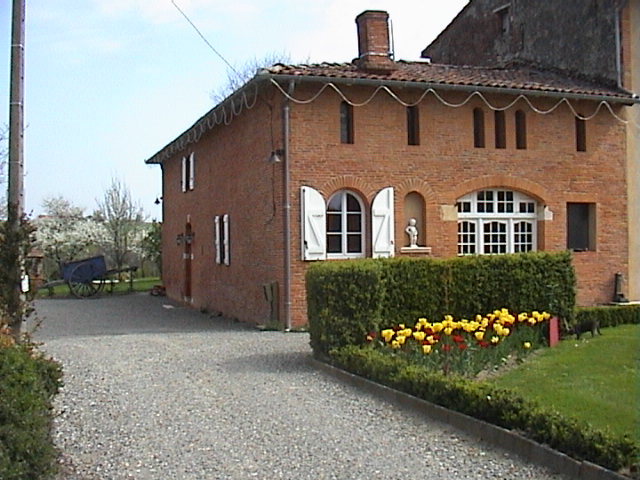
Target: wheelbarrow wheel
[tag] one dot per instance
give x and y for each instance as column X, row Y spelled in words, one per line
column 81, row 281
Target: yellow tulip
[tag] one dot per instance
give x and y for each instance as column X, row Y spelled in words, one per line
column 448, row 330
column 419, row 336
column 400, row 339
column 479, row 335
column 387, row 334
column 395, row 344
column 495, row 340
column 527, row 345
column 437, row 327
column 426, row 349
column 504, row 332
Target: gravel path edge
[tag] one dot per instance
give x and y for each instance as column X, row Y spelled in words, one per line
column 511, row 441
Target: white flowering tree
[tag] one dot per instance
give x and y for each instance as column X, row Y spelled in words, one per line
column 122, row 221
column 64, row 234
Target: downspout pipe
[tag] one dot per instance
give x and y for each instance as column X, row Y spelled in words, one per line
column 286, row 112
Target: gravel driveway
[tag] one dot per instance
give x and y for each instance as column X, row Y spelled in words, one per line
column 169, row 393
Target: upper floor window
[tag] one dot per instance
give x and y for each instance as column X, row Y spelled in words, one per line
column 346, row 123
column 500, row 129
column 503, row 19
column 478, row 128
column 413, row 125
column 345, row 225
column 496, row 221
column 581, row 135
column 521, row 130
column 187, row 178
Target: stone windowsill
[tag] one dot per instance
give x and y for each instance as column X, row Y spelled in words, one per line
column 416, row 250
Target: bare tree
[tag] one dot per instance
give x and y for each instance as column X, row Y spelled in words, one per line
column 123, row 220
column 237, row 77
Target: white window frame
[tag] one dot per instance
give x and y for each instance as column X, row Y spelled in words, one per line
column 506, row 207
column 344, row 233
column 188, row 173
column 221, row 239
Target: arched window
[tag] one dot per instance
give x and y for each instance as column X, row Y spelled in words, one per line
column 345, row 226
column 496, row 221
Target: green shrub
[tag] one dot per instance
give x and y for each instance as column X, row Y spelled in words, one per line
column 28, row 383
column 494, row 405
column 609, row 316
column 343, row 302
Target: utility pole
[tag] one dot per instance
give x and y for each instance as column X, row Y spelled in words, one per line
column 15, row 196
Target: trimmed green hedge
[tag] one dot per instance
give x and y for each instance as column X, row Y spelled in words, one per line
column 609, row 316
column 347, row 299
column 485, row 402
column 28, row 383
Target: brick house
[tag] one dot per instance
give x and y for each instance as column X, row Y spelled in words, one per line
column 330, row 161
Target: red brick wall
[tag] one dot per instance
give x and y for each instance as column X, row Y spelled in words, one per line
column 234, row 177
column 446, row 166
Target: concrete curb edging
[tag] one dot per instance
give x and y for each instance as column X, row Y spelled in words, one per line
column 506, row 439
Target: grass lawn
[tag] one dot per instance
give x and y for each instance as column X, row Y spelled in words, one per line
column 595, row 380
column 139, row 285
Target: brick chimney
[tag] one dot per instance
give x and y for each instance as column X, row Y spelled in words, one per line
column 374, row 52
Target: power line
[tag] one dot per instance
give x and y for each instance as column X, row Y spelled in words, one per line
column 204, row 39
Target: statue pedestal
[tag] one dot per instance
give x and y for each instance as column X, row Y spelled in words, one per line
column 415, row 251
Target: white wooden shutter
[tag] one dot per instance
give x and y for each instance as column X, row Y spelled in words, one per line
column 192, row 171
column 183, row 175
column 216, row 221
column 313, row 224
column 225, row 246
column 382, row 224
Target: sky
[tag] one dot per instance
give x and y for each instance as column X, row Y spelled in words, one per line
column 108, row 83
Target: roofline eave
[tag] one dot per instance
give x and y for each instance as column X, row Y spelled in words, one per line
column 634, row 99
column 264, row 75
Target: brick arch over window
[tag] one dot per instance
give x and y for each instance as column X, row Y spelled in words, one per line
column 348, row 182
column 528, row 187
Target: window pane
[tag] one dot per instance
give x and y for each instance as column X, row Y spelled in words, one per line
column 352, row 203
column 354, row 243
column 334, row 222
column 335, row 204
column 354, row 223
column 334, row 244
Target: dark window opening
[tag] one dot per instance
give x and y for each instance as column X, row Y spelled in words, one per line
column 581, row 135
column 478, row 128
column 500, row 127
column 521, row 130
column 581, row 226
column 503, row 19
column 413, row 125
column 346, row 123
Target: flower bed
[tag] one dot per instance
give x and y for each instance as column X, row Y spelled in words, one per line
column 466, row 347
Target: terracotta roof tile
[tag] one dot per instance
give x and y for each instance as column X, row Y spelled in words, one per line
column 519, row 78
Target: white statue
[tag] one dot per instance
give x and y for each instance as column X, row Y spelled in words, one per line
column 412, row 231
